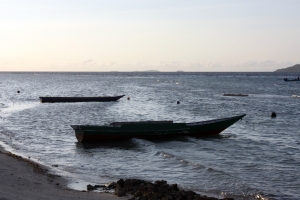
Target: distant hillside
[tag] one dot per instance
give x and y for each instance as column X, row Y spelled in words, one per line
column 295, row 68
column 148, row 71
column 151, row 71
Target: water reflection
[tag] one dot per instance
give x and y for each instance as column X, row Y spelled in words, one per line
column 134, row 143
column 127, row 144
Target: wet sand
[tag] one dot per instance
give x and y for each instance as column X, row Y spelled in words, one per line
column 21, row 178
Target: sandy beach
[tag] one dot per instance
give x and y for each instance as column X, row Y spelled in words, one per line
column 23, row 179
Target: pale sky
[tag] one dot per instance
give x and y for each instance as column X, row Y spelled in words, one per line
column 137, row 35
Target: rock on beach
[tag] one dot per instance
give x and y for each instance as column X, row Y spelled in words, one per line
column 159, row 190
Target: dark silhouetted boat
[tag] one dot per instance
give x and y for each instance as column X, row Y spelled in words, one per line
column 78, row 99
column 236, row 95
column 295, row 79
column 151, row 129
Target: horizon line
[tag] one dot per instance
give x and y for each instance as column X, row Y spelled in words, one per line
column 146, row 71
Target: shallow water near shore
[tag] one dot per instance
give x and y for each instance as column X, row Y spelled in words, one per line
column 258, row 156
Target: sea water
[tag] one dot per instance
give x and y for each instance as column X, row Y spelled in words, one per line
column 258, row 157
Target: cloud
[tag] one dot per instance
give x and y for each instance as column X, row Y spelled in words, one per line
column 265, row 65
column 88, row 62
column 92, row 65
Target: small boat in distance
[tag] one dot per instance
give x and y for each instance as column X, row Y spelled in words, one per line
column 78, row 99
column 295, row 79
column 151, row 129
column 236, row 95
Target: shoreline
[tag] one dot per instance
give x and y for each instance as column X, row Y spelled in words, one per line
column 23, row 178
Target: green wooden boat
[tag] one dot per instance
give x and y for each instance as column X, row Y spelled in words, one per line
column 151, row 129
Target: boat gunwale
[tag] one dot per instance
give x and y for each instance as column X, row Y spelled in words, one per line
column 190, row 124
column 83, row 97
column 75, row 99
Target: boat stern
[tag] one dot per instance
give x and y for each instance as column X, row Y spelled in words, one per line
column 79, row 133
column 75, row 127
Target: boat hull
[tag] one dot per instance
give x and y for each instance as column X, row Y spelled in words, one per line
column 89, row 133
column 289, row 80
column 78, row 99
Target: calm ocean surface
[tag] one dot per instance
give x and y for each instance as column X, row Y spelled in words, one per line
column 256, row 157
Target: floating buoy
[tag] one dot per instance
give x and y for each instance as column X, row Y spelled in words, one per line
column 178, row 102
column 18, row 91
column 128, row 98
column 273, row 114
